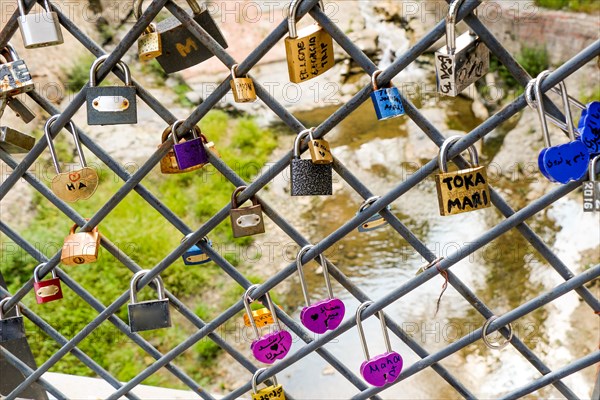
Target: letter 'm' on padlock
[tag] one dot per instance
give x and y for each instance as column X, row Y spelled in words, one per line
column 591, row 189
column 272, row 392
column 246, row 221
column 150, row 43
column 386, row 101
column 308, row 178
column 39, row 29
column 47, row 290
column 111, row 105
column 14, row 74
column 14, row 142
column 81, row 247
column 195, row 255
column 309, row 51
column 242, row 88
column 376, row 221
column 11, row 328
column 464, row 190
column 148, row 315
column 462, row 61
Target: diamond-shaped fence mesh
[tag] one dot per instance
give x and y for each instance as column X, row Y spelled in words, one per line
column 432, row 360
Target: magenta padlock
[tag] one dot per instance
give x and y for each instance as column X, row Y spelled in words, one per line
column 189, row 153
column 48, row 290
column 326, row 314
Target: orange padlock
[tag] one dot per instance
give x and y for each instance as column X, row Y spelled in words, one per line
column 80, row 247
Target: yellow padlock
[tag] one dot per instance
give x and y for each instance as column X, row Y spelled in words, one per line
column 320, row 151
column 81, row 247
column 273, row 392
column 242, row 88
column 150, row 43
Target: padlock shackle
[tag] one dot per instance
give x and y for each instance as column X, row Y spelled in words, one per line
column 451, row 26
column 4, row 301
column 300, row 268
column 235, row 194
column 592, row 171
column 367, row 203
column 78, row 148
column 443, row 154
column 36, row 272
column 255, row 378
column 160, row 287
column 99, row 61
column 532, row 102
column 361, row 331
column 374, row 80
column 234, row 72
column 298, row 141
column 196, row 133
column 75, row 226
column 9, row 53
column 22, row 7
column 293, row 32
column 247, row 300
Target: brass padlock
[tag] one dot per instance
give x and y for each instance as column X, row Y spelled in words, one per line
column 150, row 43
column 320, row 151
column 463, row 190
column 242, row 88
column 13, row 141
column 262, row 317
column 14, row 74
column 273, row 392
column 246, row 221
column 310, row 51
column 81, row 247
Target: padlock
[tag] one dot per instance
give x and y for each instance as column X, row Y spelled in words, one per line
column 148, row 315
column 20, row 109
column 81, row 247
column 387, row 101
column 48, row 290
column 310, row 51
column 566, row 162
column 111, row 105
column 189, row 153
column 591, row 189
column 274, row 345
column 246, row 221
column 320, row 151
column 181, row 49
column 14, row 74
column 39, row 29
column 262, row 317
column 464, row 190
column 273, row 392
column 308, row 178
column 325, row 315
column 462, row 61
column 195, row 255
column 376, row 221
column 11, row 328
column 150, row 43
column 76, row 185
column 168, row 164
column 14, row 142
column 242, row 88
column 384, row 368
column 589, row 127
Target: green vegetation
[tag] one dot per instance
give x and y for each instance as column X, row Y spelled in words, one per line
column 142, row 233
column 586, row 6
column 79, row 73
column 533, row 59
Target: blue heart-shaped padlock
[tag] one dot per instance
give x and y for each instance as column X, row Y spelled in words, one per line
column 564, row 163
column 589, row 127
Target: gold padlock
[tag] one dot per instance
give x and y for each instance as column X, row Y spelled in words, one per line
column 262, row 317
column 320, row 151
column 242, row 88
column 464, row 190
column 273, row 392
column 310, row 51
column 81, row 247
column 150, row 43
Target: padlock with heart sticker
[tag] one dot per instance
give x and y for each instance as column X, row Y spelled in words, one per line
column 326, row 314
column 75, row 185
column 384, row 368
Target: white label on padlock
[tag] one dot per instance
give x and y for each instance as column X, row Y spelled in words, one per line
column 47, row 291
column 248, row 221
column 110, row 103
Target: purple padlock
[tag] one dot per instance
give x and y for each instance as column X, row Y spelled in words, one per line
column 274, row 345
column 189, row 153
column 326, row 314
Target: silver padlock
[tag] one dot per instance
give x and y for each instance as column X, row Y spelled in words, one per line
column 591, row 189
column 148, row 315
column 111, row 105
column 14, row 74
column 462, row 61
column 39, row 29
column 11, row 328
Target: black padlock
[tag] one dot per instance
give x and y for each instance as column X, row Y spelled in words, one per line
column 308, row 178
column 11, row 328
column 148, row 315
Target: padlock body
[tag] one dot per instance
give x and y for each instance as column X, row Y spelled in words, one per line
column 247, row 221
column 190, row 153
column 269, row 393
column 149, row 315
column 463, row 191
column 309, row 179
column 591, row 196
column 261, row 317
column 168, row 165
column 40, row 30
column 11, row 328
column 387, row 103
column 195, row 256
column 111, row 105
column 149, row 46
column 310, row 54
column 14, row 142
column 48, row 290
column 374, row 222
column 243, row 90
column 80, row 184
column 80, row 248
column 180, row 49
column 320, row 151
column 14, row 79
column 455, row 72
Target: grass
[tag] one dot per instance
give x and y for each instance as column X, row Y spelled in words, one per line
column 533, row 59
column 586, row 6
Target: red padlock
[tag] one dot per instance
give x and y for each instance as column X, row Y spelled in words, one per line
column 48, row 290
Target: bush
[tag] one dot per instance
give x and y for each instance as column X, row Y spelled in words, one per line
column 587, row 6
